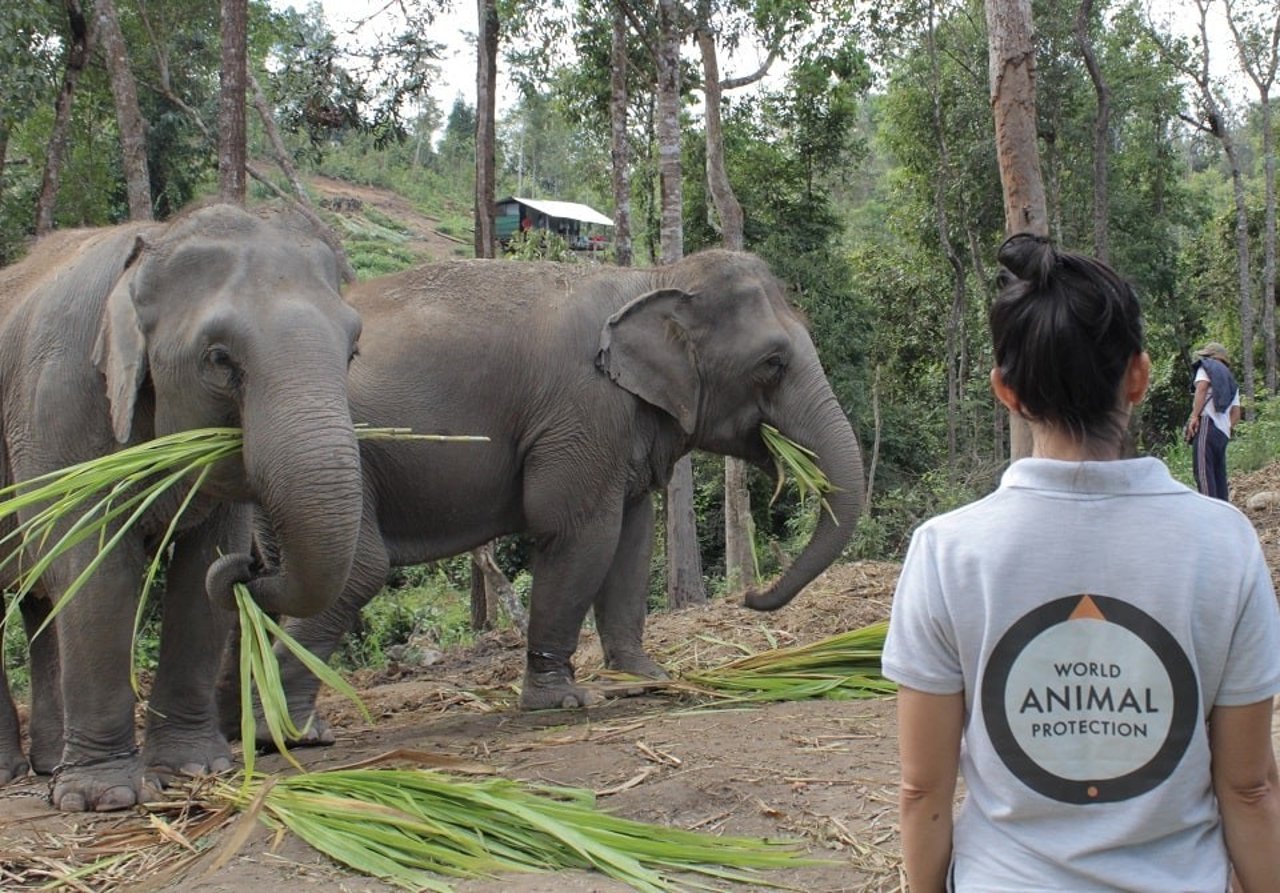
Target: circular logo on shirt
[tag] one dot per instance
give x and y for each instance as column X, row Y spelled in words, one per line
column 1088, row 699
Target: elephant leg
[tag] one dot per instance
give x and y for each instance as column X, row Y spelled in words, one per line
column 622, row 602
column 100, row 768
column 322, row 633
column 568, row 569
column 182, row 736
column 45, row 723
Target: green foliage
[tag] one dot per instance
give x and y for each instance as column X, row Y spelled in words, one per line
column 1255, row 443
column 886, row 530
column 13, row 652
column 425, row 606
column 539, row 244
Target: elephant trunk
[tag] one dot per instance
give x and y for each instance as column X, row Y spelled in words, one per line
column 825, row 429
column 303, row 463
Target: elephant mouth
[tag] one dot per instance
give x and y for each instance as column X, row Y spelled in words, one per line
column 227, row 480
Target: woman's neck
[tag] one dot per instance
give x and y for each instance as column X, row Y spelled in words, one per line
column 1051, row 442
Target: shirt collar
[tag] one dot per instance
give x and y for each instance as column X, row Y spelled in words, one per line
column 1146, row 475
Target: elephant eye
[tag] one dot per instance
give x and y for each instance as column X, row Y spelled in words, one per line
column 218, row 357
column 355, row 352
column 221, row 371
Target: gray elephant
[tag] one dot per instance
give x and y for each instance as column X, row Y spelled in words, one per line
column 589, row 383
column 115, row 336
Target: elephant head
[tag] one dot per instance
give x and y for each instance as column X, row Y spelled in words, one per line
column 717, row 346
column 230, row 319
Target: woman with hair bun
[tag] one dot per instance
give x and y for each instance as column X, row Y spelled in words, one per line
column 1094, row 646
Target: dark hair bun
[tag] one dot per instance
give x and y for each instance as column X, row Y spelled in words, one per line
column 1028, row 257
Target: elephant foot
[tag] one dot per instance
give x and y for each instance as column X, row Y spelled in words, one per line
column 46, row 748
column 637, row 663
column 13, row 765
column 174, row 753
column 634, row 662
column 100, row 785
column 316, row 733
column 549, row 685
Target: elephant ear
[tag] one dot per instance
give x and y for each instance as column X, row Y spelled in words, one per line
column 646, row 350
column 120, row 353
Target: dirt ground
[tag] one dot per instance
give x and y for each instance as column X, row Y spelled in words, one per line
column 820, row 772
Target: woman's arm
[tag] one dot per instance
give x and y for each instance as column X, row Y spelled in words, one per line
column 1245, row 780
column 929, row 730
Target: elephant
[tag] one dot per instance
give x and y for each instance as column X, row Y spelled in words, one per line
column 589, row 383
column 113, row 336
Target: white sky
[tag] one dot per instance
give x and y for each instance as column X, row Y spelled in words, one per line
column 456, row 29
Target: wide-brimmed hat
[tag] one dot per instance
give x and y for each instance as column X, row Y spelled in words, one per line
column 1215, row 350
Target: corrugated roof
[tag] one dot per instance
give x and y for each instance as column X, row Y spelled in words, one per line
column 564, row 210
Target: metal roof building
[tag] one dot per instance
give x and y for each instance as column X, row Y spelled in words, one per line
column 566, row 219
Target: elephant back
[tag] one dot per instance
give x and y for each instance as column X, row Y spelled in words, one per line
column 65, row 279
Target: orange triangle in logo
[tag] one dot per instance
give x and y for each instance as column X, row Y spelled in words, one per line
column 1087, row 609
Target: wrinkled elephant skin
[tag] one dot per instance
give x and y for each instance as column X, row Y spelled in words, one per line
column 590, row 383
column 115, row 336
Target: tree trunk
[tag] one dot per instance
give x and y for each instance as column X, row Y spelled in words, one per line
column 1101, row 128
column 4, row 150
column 1259, row 50
column 1217, row 125
column 668, row 131
column 484, row 602
column 684, row 563
column 1269, row 240
column 739, row 551
column 959, row 296
column 232, row 150
column 133, row 129
column 1242, row 267
column 486, row 99
column 283, row 159
column 486, row 578
column 620, row 147
column 1013, row 103
column 728, row 208
column 79, row 43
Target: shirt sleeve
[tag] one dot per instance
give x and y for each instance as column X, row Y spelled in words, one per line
column 1201, row 375
column 1252, row 670
column 920, row 649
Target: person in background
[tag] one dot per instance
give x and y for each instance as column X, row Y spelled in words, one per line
column 1215, row 410
column 1094, row 646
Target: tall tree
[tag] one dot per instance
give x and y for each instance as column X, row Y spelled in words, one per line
column 1211, row 119
column 619, row 139
column 232, row 148
column 79, row 43
column 28, row 68
column 485, row 586
column 1012, row 72
column 684, row 563
column 739, row 551
column 124, row 90
column 1101, row 128
column 1256, row 29
column 486, row 122
column 957, row 358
